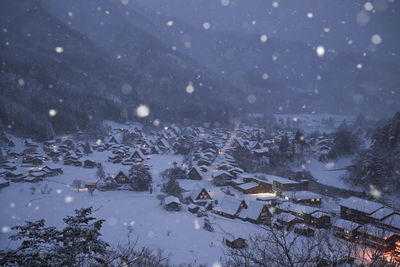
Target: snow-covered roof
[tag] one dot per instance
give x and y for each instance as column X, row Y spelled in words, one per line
column 301, row 195
column 363, row 205
column 286, row 217
column 195, row 192
column 229, row 205
column 270, row 178
column 375, row 231
column 297, row 208
column 248, row 185
column 253, row 211
column 382, row 213
column 139, row 153
column 164, row 142
column 345, row 224
column 393, row 220
column 261, row 150
column 319, row 214
column 197, row 168
column 220, row 172
column 171, row 199
column 3, row 181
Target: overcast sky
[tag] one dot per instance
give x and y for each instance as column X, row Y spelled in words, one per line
column 336, row 24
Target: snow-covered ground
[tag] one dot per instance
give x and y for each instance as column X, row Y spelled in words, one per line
column 331, row 173
column 178, row 233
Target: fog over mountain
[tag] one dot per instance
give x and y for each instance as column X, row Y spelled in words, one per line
column 233, row 56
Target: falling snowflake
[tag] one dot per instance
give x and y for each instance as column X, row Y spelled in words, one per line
column 263, row 38
column 156, row 122
column 374, row 191
column 151, row 234
column 225, row 2
column 320, row 51
column 206, row 25
column 310, row 15
column 188, row 44
column 5, row 229
column 359, row 66
column 68, row 199
column 329, row 165
column 275, row 4
column 124, row 2
column 362, row 18
column 98, row 142
column 52, row 112
column 59, row 49
column 112, row 221
column 265, row 76
column 21, row 82
column 142, row 111
column 368, row 6
column 196, row 224
column 376, row 39
column 126, row 89
column 170, row 23
column 251, row 99
column 190, row 88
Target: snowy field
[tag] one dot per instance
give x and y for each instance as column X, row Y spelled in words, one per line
column 178, row 233
column 331, row 173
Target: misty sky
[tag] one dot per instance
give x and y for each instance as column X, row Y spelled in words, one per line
column 336, row 24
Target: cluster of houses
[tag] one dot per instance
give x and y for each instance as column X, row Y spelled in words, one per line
column 369, row 222
column 260, row 144
column 260, row 199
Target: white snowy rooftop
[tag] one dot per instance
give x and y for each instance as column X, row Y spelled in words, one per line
column 375, row 231
column 345, row 224
column 301, row 194
column 253, row 211
column 382, row 213
column 360, row 204
column 393, row 220
column 229, row 205
column 248, row 185
column 171, row 199
column 280, row 179
column 286, row 217
column 196, row 191
column 288, row 206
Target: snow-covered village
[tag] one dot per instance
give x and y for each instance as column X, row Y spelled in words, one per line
column 199, row 133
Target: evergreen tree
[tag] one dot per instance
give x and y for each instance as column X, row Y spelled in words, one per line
column 284, row 144
column 78, row 244
column 172, row 187
column 82, row 245
column 87, row 149
column 100, row 173
column 345, row 142
column 140, row 177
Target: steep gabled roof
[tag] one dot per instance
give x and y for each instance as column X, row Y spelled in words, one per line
column 229, row 205
column 253, row 211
